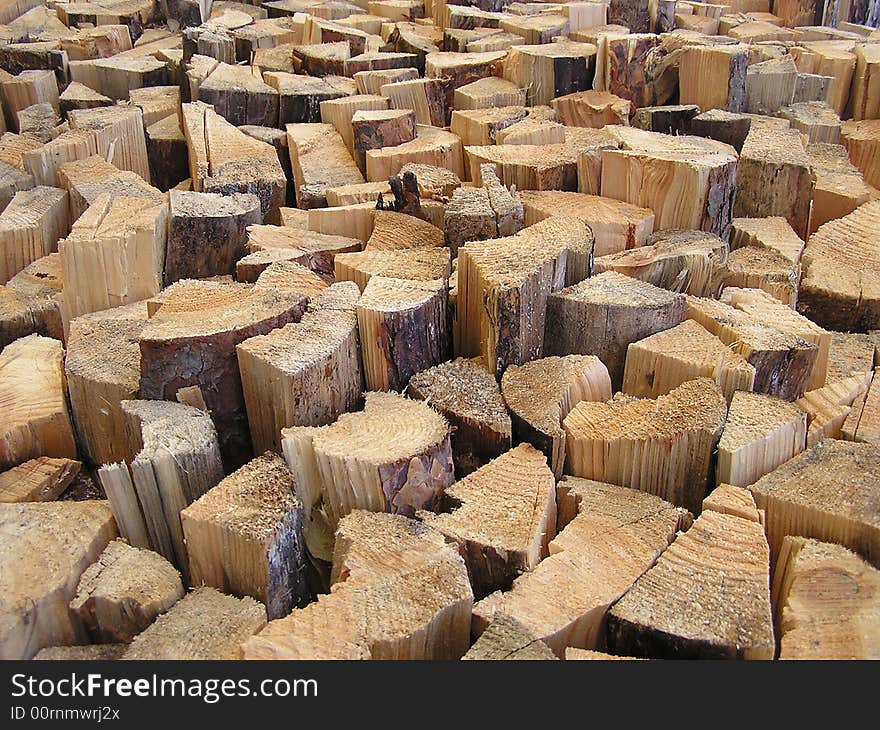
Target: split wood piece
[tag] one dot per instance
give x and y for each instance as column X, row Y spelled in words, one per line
column 378, row 129
column 761, row 433
column 689, row 182
column 635, row 16
column 244, row 536
column 432, row 146
column 551, row 70
column 761, row 268
column 673, row 119
column 29, row 303
column 123, row 592
column 225, row 160
column 850, row 354
column 399, row 592
column 784, row 361
column 826, row 493
column 774, row 177
column 834, row 58
column 300, row 97
column 416, row 39
column 379, row 61
column 119, row 135
column 80, row 96
column 113, row 255
column 371, row 82
column 481, row 126
column 207, row 233
column 537, row 128
column 156, row 102
column 103, row 366
column 239, row 94
column 367, row 192
column 598, row 35
column 766, row 309
column 730, row 500
column 464, row 68
column 829, row 407
column 865, row 93
column 211, row 317
column 812, row 87
column 691, row 262
column 714, row 77
column 88, row 179
column 467, row 395
column 39, row 480
column 41, row 122
column 30, row 227
column 287, row 275
column 627, row 68
column 433, row 181
column 350, row 221
column 840, row 187
column 339, row 113
column 418, row 264
column 321, row 59
column 42, row 162
column 773, row 233
column 26, row 89
column 426, row 98
column 393, row 230
column 317, row 251
column 45, row 548
column 528, row 167
column 815, row 119
column 708, row 596
column 722, row 126
column 116, row 77
column 403, row 329
column 36, row 417
column 205, row 624
column 863, row 423
column 826, row 602
column 770, row 85
column 214, row 43
column 617, row 535
column 317, row 31
column 539, row 28
column 506, row 638
column 602, row 315
column 319, row 159
column 303, row 374
column 478, row 214
column 487, row 93
column 616, row 225
column 661, row 362
column 541, row 393
column 167, row 152
column 87, row 652
column 503, row 285
column 610, row 441
column 862, row 142
column 400, row 458
column 502, row 517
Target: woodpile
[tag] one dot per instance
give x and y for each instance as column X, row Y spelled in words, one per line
column 429, row 330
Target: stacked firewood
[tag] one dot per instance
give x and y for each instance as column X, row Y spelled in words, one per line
column 411, row 329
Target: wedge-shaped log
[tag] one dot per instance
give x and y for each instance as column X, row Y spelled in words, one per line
column 119, row 133
column 467, row 395
column 317, row 251
column 29, row 302
column 39, row 480
column 840, row 187
column 610, row 441
column 419, row 264
column 828, row 408
column 123, row 591
column 432, row 146
column 506, row 638
column 30, row 227
column 86, row 180
column 392, row 230
column 319, row 159
column 541, row 393
column 399, row 592
column 591, row 109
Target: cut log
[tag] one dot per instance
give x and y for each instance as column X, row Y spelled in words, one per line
column 399, row 592
column 609, row 441
column 506, row 638
column 627, row 68
column 80, row 96
column 239, row 94
column 723, row 126
column 661, row 362
column 30, row 227
column 708, row 596
column 392, row 230
column 537, row 128
column 840, row 187
column 633, row 15
column 666, row 119
column 761, row 433
column 119, row 133
column 319, row 159
column 244, row 536
column 862, row 142
column 616, row 535
column 403, row 464
column 300, row 97
column 402, row 324
column 616, row 225
column 481, row 126
column 487, row 93
column 339, row 113
column 156, row 102
column 29, row 302
column 211, row 318
column 738, row 501
column 602, row 315
column 26, row 89
column 426, row 98
column 39, row 480
column 44, row 549
column 87, row 652
column 205, row 624
column 478, row 214
column 689, row 182
column 850, row 354
column 714, row 77
column 829, row 407
column 350, row 221
column 116, row 77
column 383, row 128
column 863, row 423
column 763, row 268
column 503, row 518
column 286, row 275
column 36, row 417
column 41, row 122
column 371, row 82
column 124, row 591
column 692, row 262
column 774, row 177
column 316, row 251
column 865, row 93
column 431, row 146
column 303, row 374
column 815, row 119
column 467, row 395
column 826, row 493
column 770, row 85
column 167, row 153
column 103, row 366
column 418, row 264
column 826, row 602
column 550, row 70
